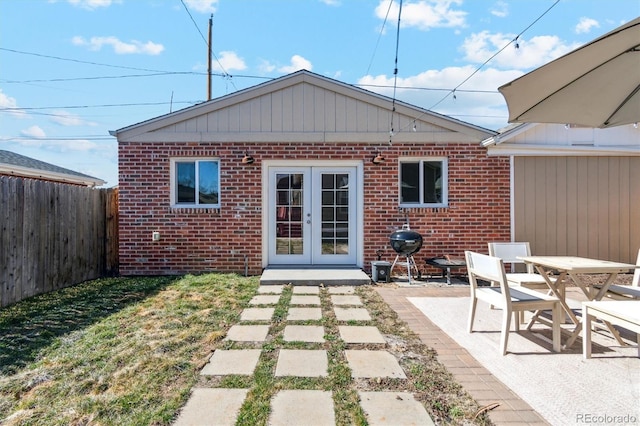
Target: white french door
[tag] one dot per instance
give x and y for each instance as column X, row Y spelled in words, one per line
column 312, row 214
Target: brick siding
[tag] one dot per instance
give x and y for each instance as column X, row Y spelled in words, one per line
column 200, row 240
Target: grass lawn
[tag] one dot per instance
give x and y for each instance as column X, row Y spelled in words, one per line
column 127, row 351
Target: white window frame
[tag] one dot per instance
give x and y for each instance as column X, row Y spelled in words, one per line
column 445, row 181
column 174, row 184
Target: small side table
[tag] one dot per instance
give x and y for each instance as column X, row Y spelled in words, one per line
column 446, row 265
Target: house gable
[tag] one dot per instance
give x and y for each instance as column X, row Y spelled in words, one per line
column 303, row 107
column 556, row 139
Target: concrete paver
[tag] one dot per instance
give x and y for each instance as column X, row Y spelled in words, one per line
column 264, row 300
column 304, row 333
column 393, row 409
column 372, row 364
column 339, row 299
column 351, row 314
column 302, row 363
column 303, row 314
column 300, row 407
column 248, row 333
column 270, row 289
column 306, row 289
column 343, row 289
column 211, row 406
column 238, row 361
column 257, row 314
column 360, row 334
column 305, row 300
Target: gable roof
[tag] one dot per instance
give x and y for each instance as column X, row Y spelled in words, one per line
column 303, row 107
column 20, row 165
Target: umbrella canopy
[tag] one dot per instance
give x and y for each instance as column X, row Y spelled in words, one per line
column 596, row 85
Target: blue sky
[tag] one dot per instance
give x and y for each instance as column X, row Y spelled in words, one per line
column 72, row 70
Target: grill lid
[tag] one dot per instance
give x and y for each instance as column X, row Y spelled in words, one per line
column 406, row 242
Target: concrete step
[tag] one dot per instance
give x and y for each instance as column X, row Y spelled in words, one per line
column 306, row 277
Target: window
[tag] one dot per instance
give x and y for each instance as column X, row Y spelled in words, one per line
column 423, row 182
column 195, row 183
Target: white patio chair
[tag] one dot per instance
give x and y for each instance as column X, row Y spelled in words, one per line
column 509, row 253
column 626, row 292
column 510, row 299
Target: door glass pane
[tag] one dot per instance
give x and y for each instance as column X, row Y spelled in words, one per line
column 335, row 214
column 289, row 197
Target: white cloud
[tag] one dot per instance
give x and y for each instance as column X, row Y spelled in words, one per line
column 500, row 9
column 229, row 61
column 331, row 2
column 297, row 63
column 119, row 47
column 11, row 104
column 425, row 14
column 266, row 66
column 34, row 132
column 585, row 25
column 479, row 47
column 67, row 119
column 92, row 4
column 202, row 6
column 478, row 99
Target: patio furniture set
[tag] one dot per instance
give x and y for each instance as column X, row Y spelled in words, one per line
column 542, row 288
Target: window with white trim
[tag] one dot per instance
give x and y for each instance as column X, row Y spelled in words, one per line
column 423, row 182
column 195, row 182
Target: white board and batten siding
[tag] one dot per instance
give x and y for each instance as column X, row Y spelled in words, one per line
column 302, row 108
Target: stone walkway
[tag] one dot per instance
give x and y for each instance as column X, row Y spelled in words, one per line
column 303, row 326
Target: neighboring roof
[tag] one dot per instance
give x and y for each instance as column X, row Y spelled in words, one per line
column 549, row 139
column 187, row 118
column 20, row 165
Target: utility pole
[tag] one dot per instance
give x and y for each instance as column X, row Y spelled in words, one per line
column 209, row 60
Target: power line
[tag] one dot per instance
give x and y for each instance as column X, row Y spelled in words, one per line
column 375, row 49
column 226, row 74
column 77, row 60
column 15, row 109
column 106, row 77
column 494, row 55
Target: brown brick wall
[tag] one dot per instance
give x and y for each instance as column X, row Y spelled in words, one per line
column 219, row 239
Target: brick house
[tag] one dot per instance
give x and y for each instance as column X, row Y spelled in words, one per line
column 282, row 174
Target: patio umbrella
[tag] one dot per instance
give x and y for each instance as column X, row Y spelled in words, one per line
column 596, row 85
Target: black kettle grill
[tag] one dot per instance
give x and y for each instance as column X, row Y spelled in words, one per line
column 406, row 243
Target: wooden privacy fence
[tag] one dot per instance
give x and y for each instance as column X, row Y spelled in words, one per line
column 54, row 235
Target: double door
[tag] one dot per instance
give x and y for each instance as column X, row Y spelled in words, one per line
column 312, row 216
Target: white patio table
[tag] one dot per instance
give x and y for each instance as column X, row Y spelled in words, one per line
column 571, row 267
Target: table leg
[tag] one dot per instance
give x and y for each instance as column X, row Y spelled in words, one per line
column 558, row 290
column 598, row 296
column 586, row 336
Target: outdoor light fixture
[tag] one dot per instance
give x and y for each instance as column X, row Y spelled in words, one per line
column 247, row 159
column 377, row 159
